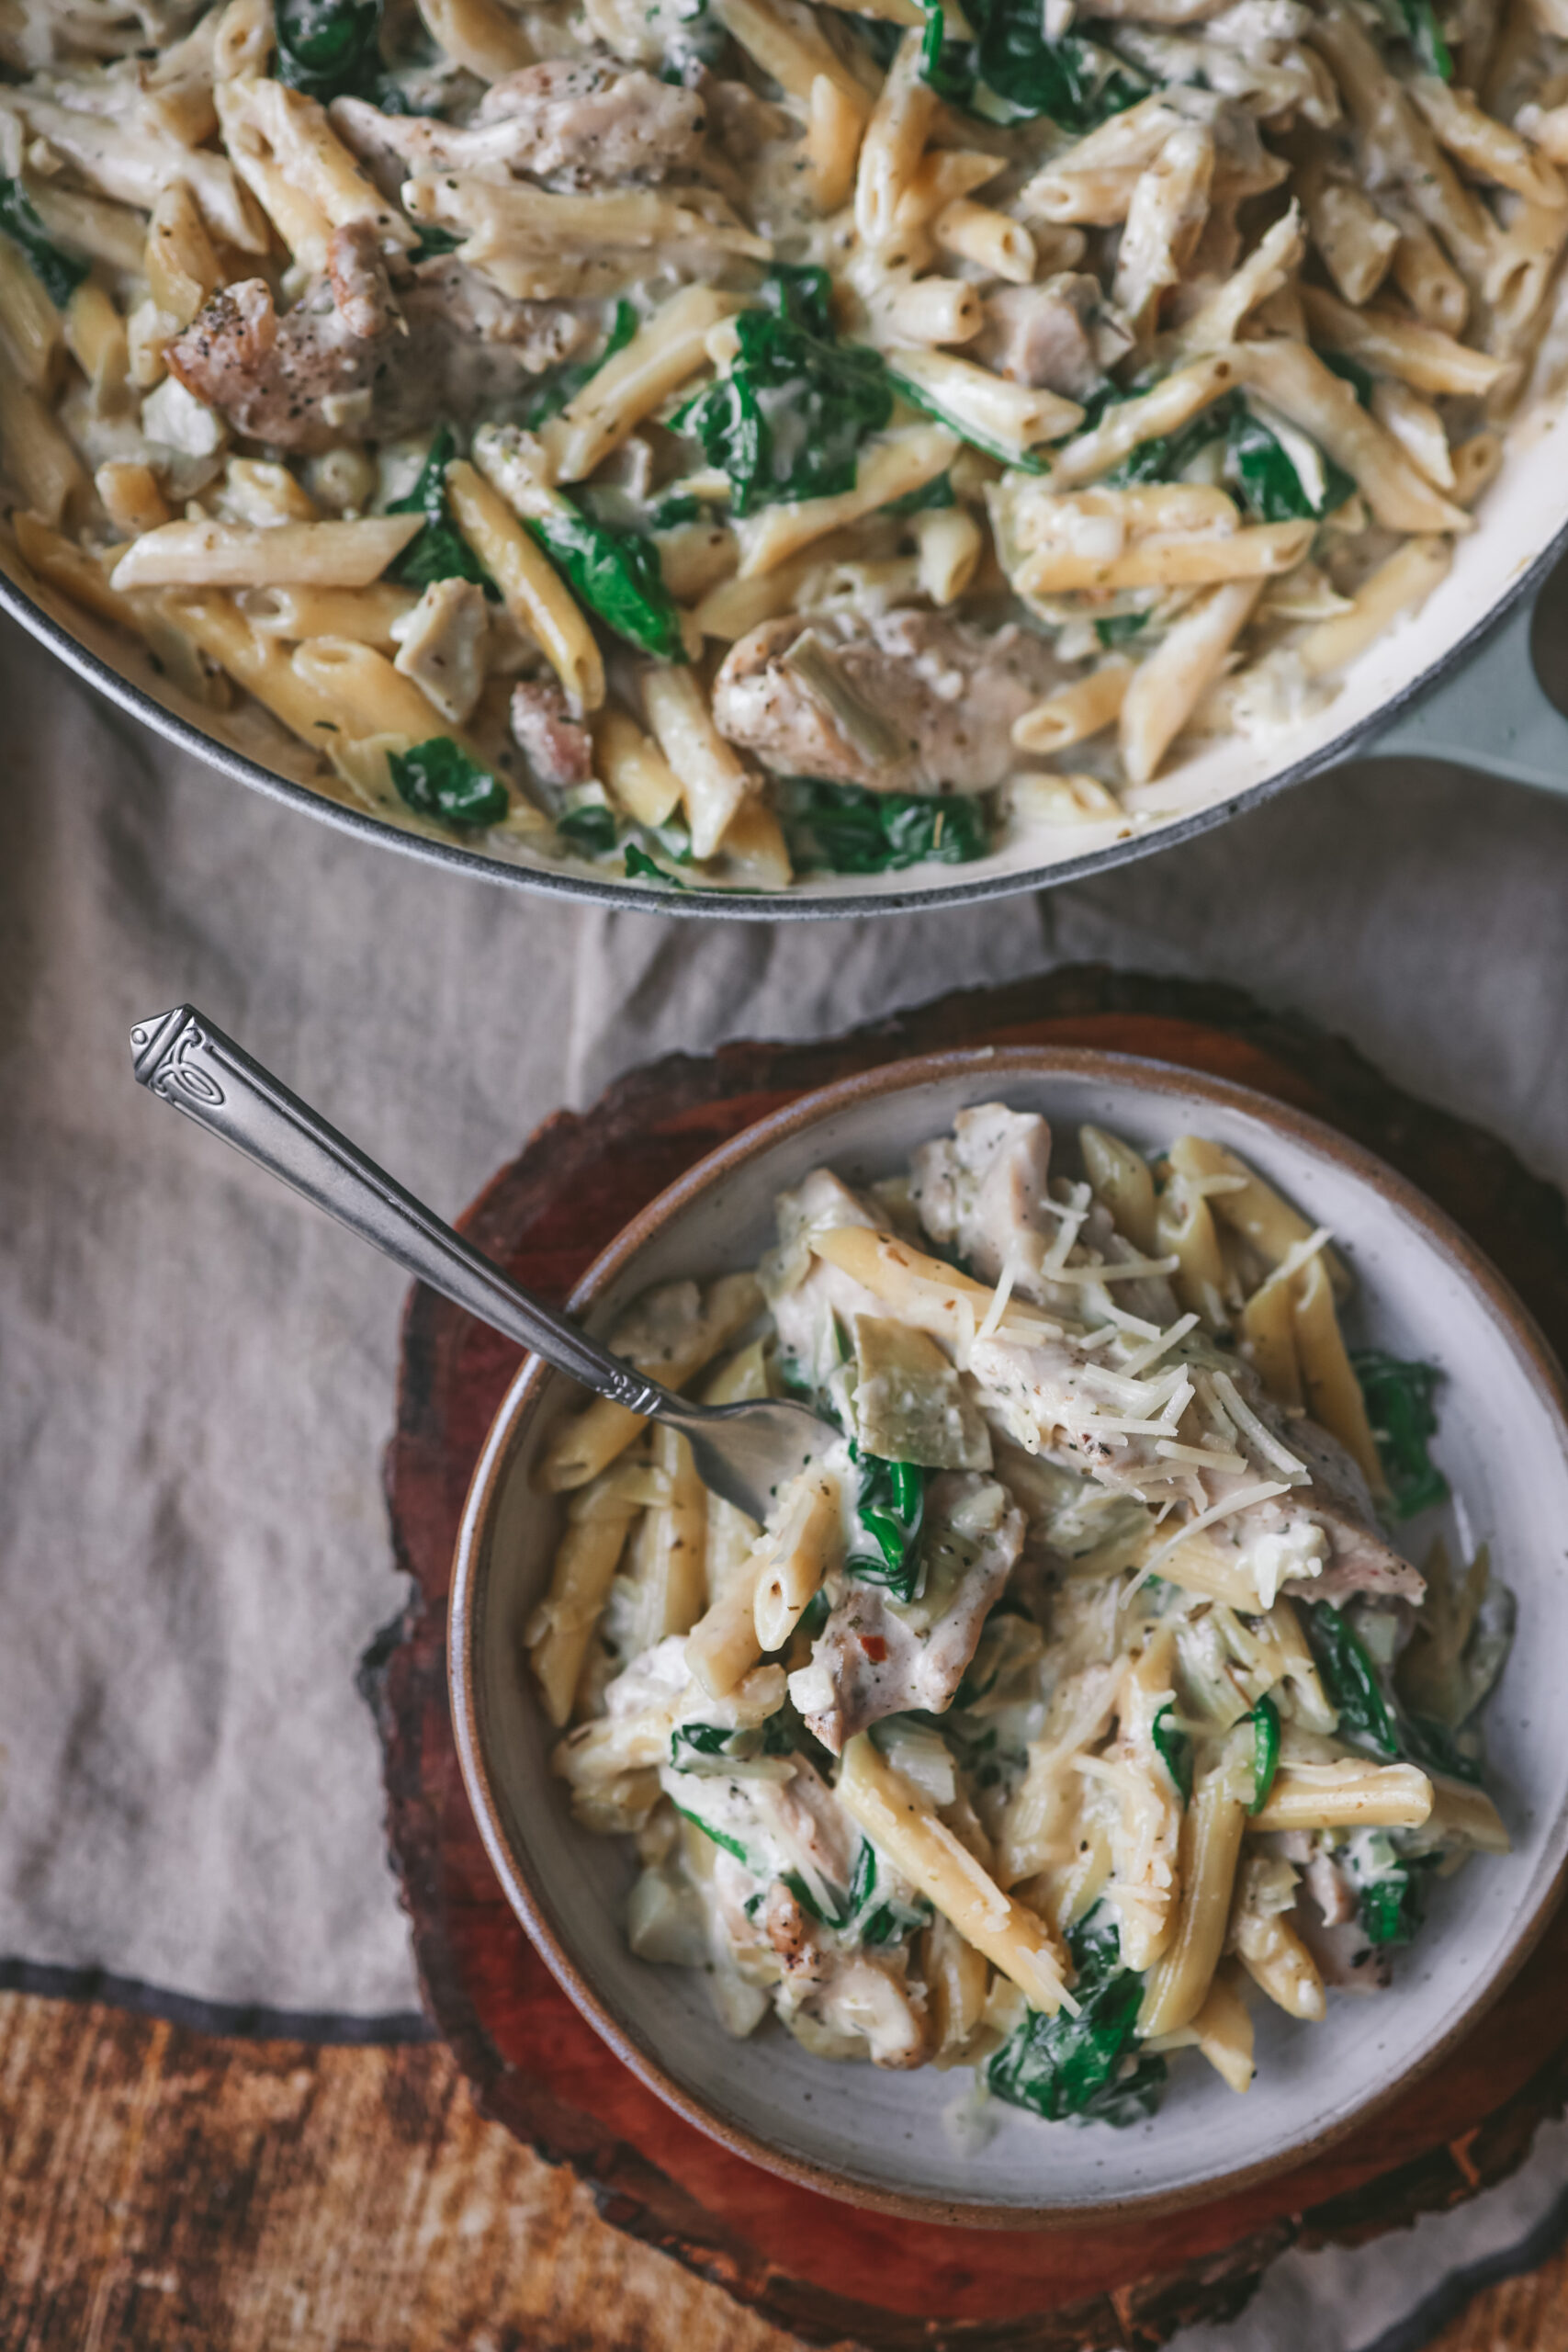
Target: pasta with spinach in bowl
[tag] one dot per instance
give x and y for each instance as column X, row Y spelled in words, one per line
column 1079, row 1692
column 725, row 441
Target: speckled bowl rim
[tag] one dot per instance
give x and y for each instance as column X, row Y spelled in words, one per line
column 466, row 1620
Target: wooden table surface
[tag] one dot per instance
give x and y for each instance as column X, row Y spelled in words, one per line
column 179, row 2191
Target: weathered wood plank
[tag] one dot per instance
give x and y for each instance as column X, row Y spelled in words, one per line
column 172, row 2191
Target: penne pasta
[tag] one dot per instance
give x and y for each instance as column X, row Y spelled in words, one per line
column 848, row 394
column 920, row 1826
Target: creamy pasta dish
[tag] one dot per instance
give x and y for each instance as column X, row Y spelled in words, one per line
column 1080, row 1694
column 716, row 440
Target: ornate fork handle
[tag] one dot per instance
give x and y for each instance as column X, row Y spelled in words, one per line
column 183, row 1058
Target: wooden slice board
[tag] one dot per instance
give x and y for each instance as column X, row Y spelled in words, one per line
column 822, row 2268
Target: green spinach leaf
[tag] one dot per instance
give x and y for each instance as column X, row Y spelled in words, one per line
column 1417, row 21
column 59, row 274
column 439, row 779
column 890, row 1506
column 440, row 552
column 1350, row 1679
column 435, row 241
column 1265, row 1721
column 330, row 48
column 590, row 829
column 846, row 830
column 1271, row 488
column 1175, row 1751
column 720, row 1836
column 1360, row 379
column 641, row 867
column 931, row 495
column 787, row 421
column 1398, row 1399
column 1436, row 1749
column 1062, row 2065
column 1120, row 626
column 616, row 575
column 702, row 1739
column 1013, row 71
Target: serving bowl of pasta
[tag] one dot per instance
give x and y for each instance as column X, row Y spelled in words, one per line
column 1123, row 1714
column 764, row 459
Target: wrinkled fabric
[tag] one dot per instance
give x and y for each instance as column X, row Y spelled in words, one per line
column 197, row 1372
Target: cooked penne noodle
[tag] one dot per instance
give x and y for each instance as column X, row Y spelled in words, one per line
column 365, row 613
column 1168, row 687
column 795, row 1556
column 934, row 311
column 895, row 1818
column 1020, row 394
column 1417, row 426
column 1147, row 417
column 1331, row 1391
column 890, row 469
column 1250, row 554
column 1211, row 1830
column 561, row 1629
column 31, row 326
column 894, row 140
column 241, row 555
column 1427, row 278
column 1358, row 242
column 481, row 36
column 1241, row 1198
column 1422, row 356
column 1486, row 148
column 1124, row 1180
column 944, row 176
column 950, row 546
column 1296, row 382
column 1165, row 219
column 1163, row 1703
column 787, row 42
column 536, row 244
column 1346, row 1795
column 634, row 771
column 531, row 588
column 132, row 497
column 587, row 1442
column 181, row 268
column 666, row 350
column 834, row 122
column 995, row 243
column 713, row 782
column 1402, row 585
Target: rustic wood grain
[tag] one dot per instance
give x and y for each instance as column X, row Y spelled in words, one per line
column 804, row 2260
column 166, row 2191
column 171, row 2191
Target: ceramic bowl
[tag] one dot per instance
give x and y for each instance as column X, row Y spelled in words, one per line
column 896, row 2141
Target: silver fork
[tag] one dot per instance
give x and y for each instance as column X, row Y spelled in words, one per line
column 744, row 1452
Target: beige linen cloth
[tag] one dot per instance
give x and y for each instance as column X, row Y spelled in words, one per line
column 197, row 1372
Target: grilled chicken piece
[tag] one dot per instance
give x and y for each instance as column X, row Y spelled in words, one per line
column 1043, row 335
column 557, row 748
column 571, row 122
column 878, row 1656
column 811, row 1300
column 982, row 1194
column 914, row 702
column 1045, row 1397
column 350, row 359
column 981, row 1191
